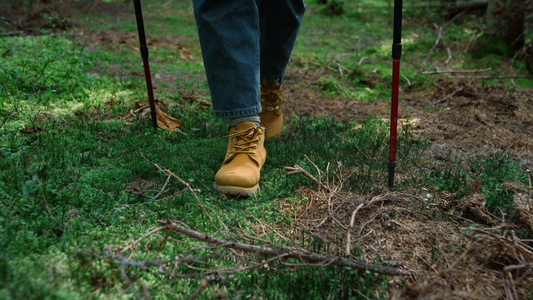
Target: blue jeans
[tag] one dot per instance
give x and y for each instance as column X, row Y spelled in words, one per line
column 243, row 42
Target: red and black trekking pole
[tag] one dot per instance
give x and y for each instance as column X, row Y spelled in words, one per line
column 144, row 55
column 396, row 55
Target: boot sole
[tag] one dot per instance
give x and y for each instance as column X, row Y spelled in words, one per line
column 229, row 190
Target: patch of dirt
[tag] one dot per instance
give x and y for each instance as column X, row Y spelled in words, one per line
column 466, row 116
column 27, row 18
column 451, row 258
column 30, row 17
column 448, row 254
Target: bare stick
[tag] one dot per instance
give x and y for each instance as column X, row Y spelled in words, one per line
column 168, row 172
column 331, row 214
column 449, row 54
column 518, row 267
column 431, row 51
column 493, row 77
column 284, row 251
column 352, row 219
column 409, row 84
column 456, row 71
column 529, row 202
column 449, row 96
column 299, row 170
column 201, row 287
column 130, row 246
column 163, row 188
column 48, row 212
column 8, row 116
column 269, row 227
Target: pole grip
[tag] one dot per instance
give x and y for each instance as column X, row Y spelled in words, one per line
column 397, row 50
column 140, row 28
column 397, row 34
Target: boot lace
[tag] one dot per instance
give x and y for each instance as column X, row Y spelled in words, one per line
column 271, row 99
column 244, row 141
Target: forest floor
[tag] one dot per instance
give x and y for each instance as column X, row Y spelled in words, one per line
column 475, row 125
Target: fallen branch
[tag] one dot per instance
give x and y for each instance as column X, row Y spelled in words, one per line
column 449, row 96
column 493, row 77
column 284, row 252
column 457, row 6
column 437, row 41
column 456, row 71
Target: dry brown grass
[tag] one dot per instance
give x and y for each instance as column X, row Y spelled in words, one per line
column 438, row 240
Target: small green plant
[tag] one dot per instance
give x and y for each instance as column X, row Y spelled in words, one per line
column 52, row 24
column 42, row 70
column 494, row 171
column 451, row 178
column 486, row 175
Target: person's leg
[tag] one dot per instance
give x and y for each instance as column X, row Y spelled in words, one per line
column 279, row 24
column 229, row 38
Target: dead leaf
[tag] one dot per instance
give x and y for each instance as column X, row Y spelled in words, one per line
column 109, row 101
column 164, row 120
column 185, row 53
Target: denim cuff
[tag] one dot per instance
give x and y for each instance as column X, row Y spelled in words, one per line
column 238, row 113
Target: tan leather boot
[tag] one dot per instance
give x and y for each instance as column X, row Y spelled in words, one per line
column 271, row 114
column 240, row 171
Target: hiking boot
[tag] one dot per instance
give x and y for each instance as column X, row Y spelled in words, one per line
column 271, row 115
column 240, row 171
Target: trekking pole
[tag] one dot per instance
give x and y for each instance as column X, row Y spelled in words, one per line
column 144, row 55
column 396, row 55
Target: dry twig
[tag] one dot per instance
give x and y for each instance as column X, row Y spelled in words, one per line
column 130, row 246
column 48, row 212
column 449, row 96
column 168, row 172
column 352, row 219
column 299, row 170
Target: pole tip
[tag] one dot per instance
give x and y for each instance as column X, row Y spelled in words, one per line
column 392, row 167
